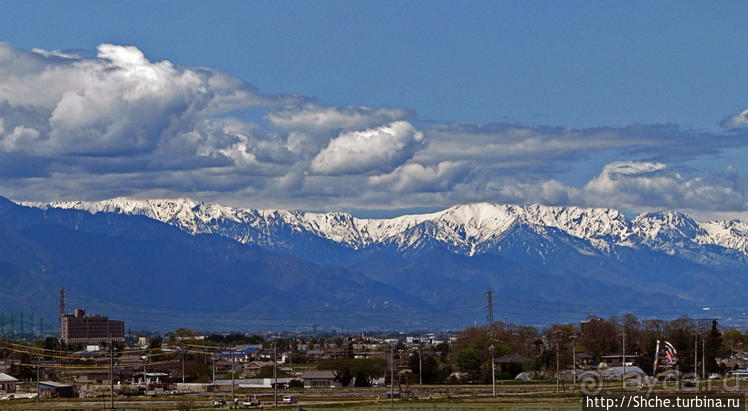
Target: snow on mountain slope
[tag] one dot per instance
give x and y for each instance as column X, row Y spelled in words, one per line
column 582, row 222
column 468, row 229
column 667, row 230
column 729, row 234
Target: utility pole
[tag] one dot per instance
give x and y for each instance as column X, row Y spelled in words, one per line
column 37, row 379
column 392, row 377
column 557, row 367
column 623, row 379
column 573, row 359
column 181, row 349
column 111, row 367
column 233, row 360
column 492, row 347
column 493, row 369
column 703, row 357
column 420, row 363
column 275, row 373
column 695, row 356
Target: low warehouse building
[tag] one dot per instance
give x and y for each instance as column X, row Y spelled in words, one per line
column 319, row 379
column 52, row 389
column 7, row 383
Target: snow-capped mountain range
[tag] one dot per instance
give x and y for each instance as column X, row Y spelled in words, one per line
column 466, row 229
column 596, row 259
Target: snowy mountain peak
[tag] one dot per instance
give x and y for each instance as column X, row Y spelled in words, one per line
column 667, row 227
column 467, row 228
column 583, row 222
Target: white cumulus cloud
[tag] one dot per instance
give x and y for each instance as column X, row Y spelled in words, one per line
column 639, row 185
column 314, row 118
column 415, row 177
column 737, row 120
column 18, row 139
column 309, row 128
column 118, row 103
column 380, row 149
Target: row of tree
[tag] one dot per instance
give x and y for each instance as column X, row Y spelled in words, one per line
column 470, row 352
column 596, row 337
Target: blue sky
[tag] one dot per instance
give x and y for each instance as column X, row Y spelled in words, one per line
column 574, row 63
column 633, row 105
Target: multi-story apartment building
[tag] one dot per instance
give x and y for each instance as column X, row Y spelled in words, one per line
column 90, row 329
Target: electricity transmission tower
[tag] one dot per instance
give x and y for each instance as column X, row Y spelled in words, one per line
column 61, row 307
column 489, row 307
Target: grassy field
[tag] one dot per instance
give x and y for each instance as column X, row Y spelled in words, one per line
column 520, row 396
